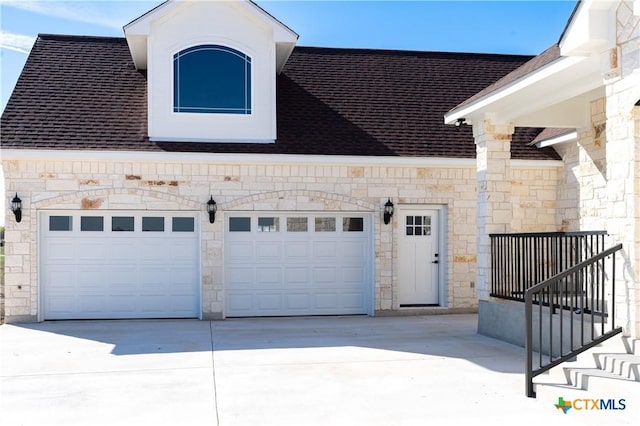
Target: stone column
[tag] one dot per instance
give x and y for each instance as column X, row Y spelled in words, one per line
column 623, row 199
column 493, row 212
column 623, row 165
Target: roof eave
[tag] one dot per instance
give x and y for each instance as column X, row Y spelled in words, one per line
column 478, row 108
column 570, row 136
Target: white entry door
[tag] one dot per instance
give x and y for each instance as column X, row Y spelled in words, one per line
column 418, row 258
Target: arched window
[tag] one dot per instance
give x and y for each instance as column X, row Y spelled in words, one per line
column 212, row 79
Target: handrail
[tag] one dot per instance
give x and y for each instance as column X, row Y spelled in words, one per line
column 550, row 234
column 520, row 261
column 581, row 291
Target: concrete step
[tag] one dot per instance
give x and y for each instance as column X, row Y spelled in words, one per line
column 612, row 368
column 632, row 346
column 625, row 365
column 599, row 381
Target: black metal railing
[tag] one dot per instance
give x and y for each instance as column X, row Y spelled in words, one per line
column 571, row 313
column 520, row 261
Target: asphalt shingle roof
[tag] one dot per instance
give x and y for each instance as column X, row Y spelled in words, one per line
column 78, row 92
column 537, row 62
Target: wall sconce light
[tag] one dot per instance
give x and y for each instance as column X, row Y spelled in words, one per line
column 16, row 207
column 212, row 208
column 388, row 211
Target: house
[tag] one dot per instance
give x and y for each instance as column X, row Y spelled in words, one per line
column 115, row 153
column 204, row 166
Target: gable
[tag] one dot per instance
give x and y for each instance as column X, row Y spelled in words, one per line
column 211, row 70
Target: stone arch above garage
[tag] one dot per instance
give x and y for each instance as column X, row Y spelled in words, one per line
column 119, row 198
column 301, row 200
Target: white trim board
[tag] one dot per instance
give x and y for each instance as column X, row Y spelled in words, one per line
column 199, row 157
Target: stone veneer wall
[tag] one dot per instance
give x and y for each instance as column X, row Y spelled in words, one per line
column 148, row 185
column 582, row 188
column 534, row 199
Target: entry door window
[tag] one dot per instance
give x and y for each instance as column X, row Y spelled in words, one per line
column 418, row 225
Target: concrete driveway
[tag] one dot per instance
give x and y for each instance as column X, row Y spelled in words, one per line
column 431, row 370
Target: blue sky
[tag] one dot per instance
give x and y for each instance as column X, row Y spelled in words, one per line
column 515, row 27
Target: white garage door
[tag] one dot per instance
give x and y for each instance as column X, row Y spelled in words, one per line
column 297, row 264
column 119, row 265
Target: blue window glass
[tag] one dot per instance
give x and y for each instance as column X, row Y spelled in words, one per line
column 212, row 79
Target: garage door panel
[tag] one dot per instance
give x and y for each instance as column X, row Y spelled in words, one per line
column 296, row 250
column 352, row 300
column 90, row 279
column 297, row 277
column 61, row 305
column 293, row 269
column 240, row 250
column 270, row 302
column 268, row 277
column 153, row 250
column 325, row 277
column 242, row 277
column 123, row 274
column 155, row 305
column 268, row 251
column 239, row 302
column 91, row 305
column 60, row 278
column 325, row 249
column 91, row 252
column 183, row 277
column 183, row 305
column 122, row 304
column 353, row 275
column 121, row 248
column 297, row 301
column 326, row 301
column 353, row 249
column 181, row 251
column 61, row 250
column 150, row 279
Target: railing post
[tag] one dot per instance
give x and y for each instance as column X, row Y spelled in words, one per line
column 528, row 345
column 576, row 304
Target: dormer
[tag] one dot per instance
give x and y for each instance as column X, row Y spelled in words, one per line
column 211, row 69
